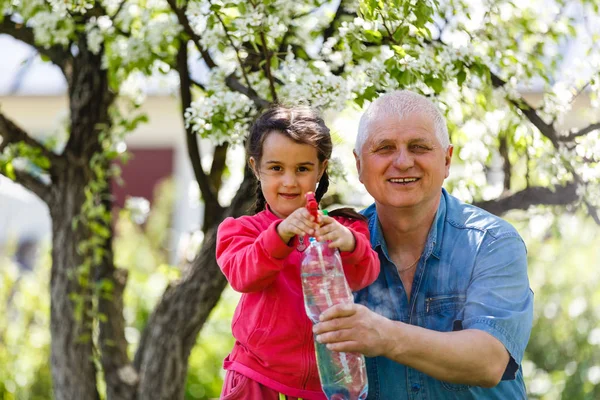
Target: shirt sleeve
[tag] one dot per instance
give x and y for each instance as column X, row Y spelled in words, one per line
column 361, row 266
column 249, row 257
column 499, row 300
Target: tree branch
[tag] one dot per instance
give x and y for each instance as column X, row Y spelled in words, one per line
column 209, row 193
column 267, row 57
column 582, row 132
column 196, row 83
column 121, row 6
column 532, row 196
column 593, row 212
column 187, row 28
column 529, row 112
column 231, row 81
column 237, row 51
column 235, row 85
column 58, row 55
column 11, row 133
column 332, row 28
column 33, row 184
column 218, row 165
column 507, row 168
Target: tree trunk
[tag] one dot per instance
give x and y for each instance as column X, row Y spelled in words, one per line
column 71, row 328
column 73, row 370
column 162, row 357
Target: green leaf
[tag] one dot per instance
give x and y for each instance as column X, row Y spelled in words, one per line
column 437, row 84
column 399, row 50
column 400, row 34
column 9, row 170
column 84, row 338
column 461, row 76
column 100, row 230
column 373, row 36
column 370, row 93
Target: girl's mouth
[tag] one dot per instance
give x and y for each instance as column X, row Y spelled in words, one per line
column 288, row 196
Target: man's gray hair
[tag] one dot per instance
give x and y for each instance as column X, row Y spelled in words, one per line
column 401, row 104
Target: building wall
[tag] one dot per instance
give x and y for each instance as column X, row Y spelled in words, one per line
column 157, row 149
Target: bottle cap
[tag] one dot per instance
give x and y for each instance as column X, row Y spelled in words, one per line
column 325, row 212
column 311, row 239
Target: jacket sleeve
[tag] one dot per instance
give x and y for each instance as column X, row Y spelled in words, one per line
column 250, row 257
column 361, row 266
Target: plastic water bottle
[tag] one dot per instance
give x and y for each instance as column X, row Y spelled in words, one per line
column 343, row 375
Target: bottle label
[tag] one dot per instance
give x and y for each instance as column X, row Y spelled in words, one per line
column 301, row 246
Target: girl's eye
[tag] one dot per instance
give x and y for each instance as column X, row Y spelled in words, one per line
column 275, row 168
column 302, row 169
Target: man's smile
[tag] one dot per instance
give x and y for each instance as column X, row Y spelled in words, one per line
column 403, row 181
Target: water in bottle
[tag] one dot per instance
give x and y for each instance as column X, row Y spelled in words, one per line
column 343, row 375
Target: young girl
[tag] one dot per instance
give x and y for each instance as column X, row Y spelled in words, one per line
column 274, row 356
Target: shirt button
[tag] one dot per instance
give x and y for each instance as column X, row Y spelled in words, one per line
column 415, row 387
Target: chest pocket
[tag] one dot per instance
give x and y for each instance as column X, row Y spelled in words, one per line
column 442, row 310
column 444, row 313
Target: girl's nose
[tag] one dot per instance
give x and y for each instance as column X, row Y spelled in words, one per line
column 289, row 180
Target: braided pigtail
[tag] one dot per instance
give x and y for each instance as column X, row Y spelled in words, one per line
column 323, row 186
column 260, row 203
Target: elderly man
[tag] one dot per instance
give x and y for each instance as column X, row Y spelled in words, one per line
column 450, row 314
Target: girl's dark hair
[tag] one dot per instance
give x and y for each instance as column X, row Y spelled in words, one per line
column 302, row 124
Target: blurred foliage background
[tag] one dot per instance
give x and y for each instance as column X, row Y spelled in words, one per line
column 562, row 359
column 517, row 81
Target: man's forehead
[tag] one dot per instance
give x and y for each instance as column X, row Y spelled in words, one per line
column 395, row 128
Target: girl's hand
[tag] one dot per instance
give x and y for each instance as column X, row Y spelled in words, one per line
column 340, row 236
column 300, row 222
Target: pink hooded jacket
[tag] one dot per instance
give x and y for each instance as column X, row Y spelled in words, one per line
column 274, row 340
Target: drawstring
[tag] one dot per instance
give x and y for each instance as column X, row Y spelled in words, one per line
column 284, row 397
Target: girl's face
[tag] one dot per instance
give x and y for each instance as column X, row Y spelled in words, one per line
column 287, row 171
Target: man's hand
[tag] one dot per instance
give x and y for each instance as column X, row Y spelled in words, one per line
column 353, row 328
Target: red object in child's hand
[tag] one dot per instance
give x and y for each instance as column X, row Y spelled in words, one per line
column 312, row 206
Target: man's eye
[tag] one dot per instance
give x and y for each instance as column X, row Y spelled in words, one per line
column 385, row 148
column 418, row 147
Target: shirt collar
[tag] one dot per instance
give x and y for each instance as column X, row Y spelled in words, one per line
column 269, row 214
column 436, row 233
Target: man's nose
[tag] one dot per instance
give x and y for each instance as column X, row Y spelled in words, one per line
column 403, row 159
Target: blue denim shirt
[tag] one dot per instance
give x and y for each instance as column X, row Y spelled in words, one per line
column 472, row 275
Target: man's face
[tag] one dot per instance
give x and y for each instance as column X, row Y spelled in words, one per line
column 402, row 163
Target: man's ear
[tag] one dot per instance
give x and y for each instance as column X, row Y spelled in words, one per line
column 358, row 166
column 254, row 167
column 448, row 158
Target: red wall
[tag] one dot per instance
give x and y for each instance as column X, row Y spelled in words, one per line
column 145, row 168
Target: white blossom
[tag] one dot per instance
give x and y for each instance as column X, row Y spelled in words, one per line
column 95, row 29
column 221, row 117
column 50, row 28
column 313, row 82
